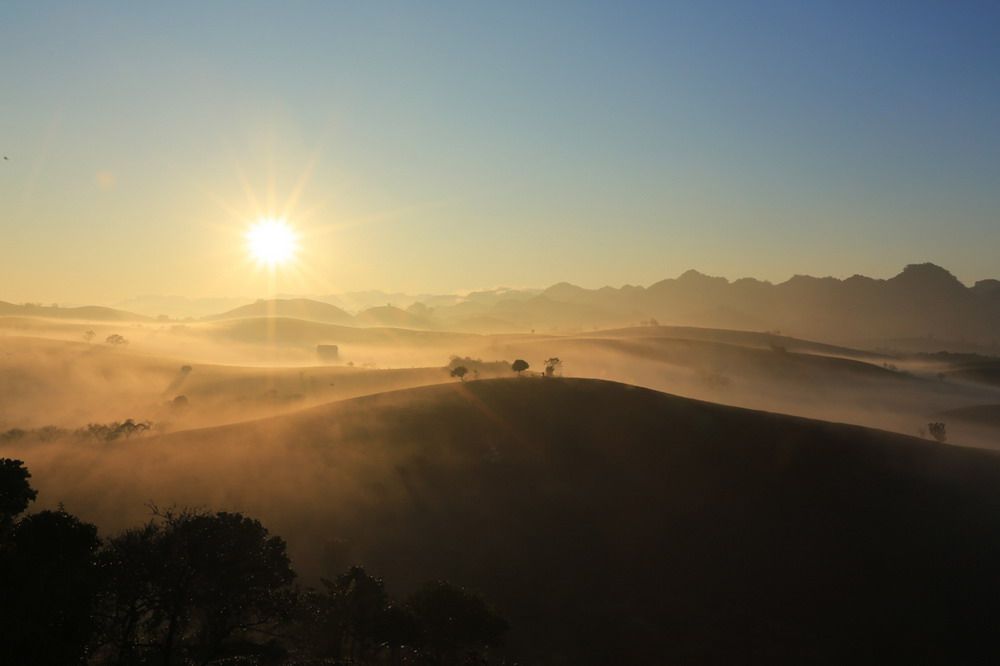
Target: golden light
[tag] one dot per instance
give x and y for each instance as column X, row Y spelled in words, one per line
column 272, row 241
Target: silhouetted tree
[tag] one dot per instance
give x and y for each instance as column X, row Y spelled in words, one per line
column 358, row 602
column 15, row 491
column 111, row 431
column 551, row 365
column 88, row 335
column 938, row 431
column 188, row 582
column 455, row 624
column 127, row 567
column 397, row 630
column 460, row 372
column 519, row 366
column 116, row 340
column 198, row 588
column 13, row 434
column 48, row 581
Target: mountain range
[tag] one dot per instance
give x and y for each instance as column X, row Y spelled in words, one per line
column 923, row 303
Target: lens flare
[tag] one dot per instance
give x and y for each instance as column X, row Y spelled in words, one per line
column 272, row 242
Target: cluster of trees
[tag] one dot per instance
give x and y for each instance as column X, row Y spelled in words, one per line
column 117, row 429
column 551, row 366
column 105, row 432
column 459, row 367
column 115, row 339
column 936, row 429
column 195, row 587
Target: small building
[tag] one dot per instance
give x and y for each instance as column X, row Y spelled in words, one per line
column 328, row 353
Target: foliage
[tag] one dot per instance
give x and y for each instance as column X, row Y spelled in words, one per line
column 477, row 366
column 459, row 371
column 15, row 490
column 12, row 435
column 48, row 578
column 189, row 581
column 195, row 587
column 552, row 365
column 116, row 429
column 519, row 366
column 454, row 623
column 938, row 431
column 116, row 340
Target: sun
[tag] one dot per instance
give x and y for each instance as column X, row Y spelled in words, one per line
column 271, row 241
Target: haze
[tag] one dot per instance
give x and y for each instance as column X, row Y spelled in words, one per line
column 445, row 333
column 449, row 148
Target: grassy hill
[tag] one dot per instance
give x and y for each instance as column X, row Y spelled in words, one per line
column 387, row 315
column 291, row 331
column 297, row 308
column 84, row 312
column 814, row 385
column 610, row 524
column 986, row 372
column 983, row 415
column 69, row 384
column 743, row 338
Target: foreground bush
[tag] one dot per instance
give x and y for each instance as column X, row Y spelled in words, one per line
column 195, row 587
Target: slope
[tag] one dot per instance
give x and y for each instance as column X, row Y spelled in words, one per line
column 610, row 524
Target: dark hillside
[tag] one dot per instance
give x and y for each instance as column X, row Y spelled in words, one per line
column 609, row 524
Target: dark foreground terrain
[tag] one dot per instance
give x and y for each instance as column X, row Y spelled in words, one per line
column 606, row 523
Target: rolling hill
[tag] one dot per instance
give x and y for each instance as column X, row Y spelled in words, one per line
column 295, row 308
column 83, row 312
column 610, row 524
column 387, row 315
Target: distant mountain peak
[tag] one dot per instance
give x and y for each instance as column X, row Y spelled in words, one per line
column 987, row 287
column 691, row 275
column 927, row 274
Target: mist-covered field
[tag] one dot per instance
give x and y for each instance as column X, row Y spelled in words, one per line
column 617, row 453
column 64, row 373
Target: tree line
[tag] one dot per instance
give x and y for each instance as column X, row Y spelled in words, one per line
column 460, row 367
column 107, row 432
column 194, row 587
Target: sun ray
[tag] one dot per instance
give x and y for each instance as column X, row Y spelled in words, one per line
column 271, row 241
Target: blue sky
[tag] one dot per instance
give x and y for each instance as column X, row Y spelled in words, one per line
column 450, row 146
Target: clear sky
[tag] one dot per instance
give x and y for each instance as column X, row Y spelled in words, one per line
column 441, row 147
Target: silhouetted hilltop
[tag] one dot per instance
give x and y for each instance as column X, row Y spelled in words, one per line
column 86, row 312
column 925, row 308
column 387, row 315
column 987, row 287
column 609, row 524
column 297, row 308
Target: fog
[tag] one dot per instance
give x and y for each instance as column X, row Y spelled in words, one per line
column 65, row 374
column 377, row 454
column 288, row 410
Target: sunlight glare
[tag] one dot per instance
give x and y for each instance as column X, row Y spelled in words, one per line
column 271, row 241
